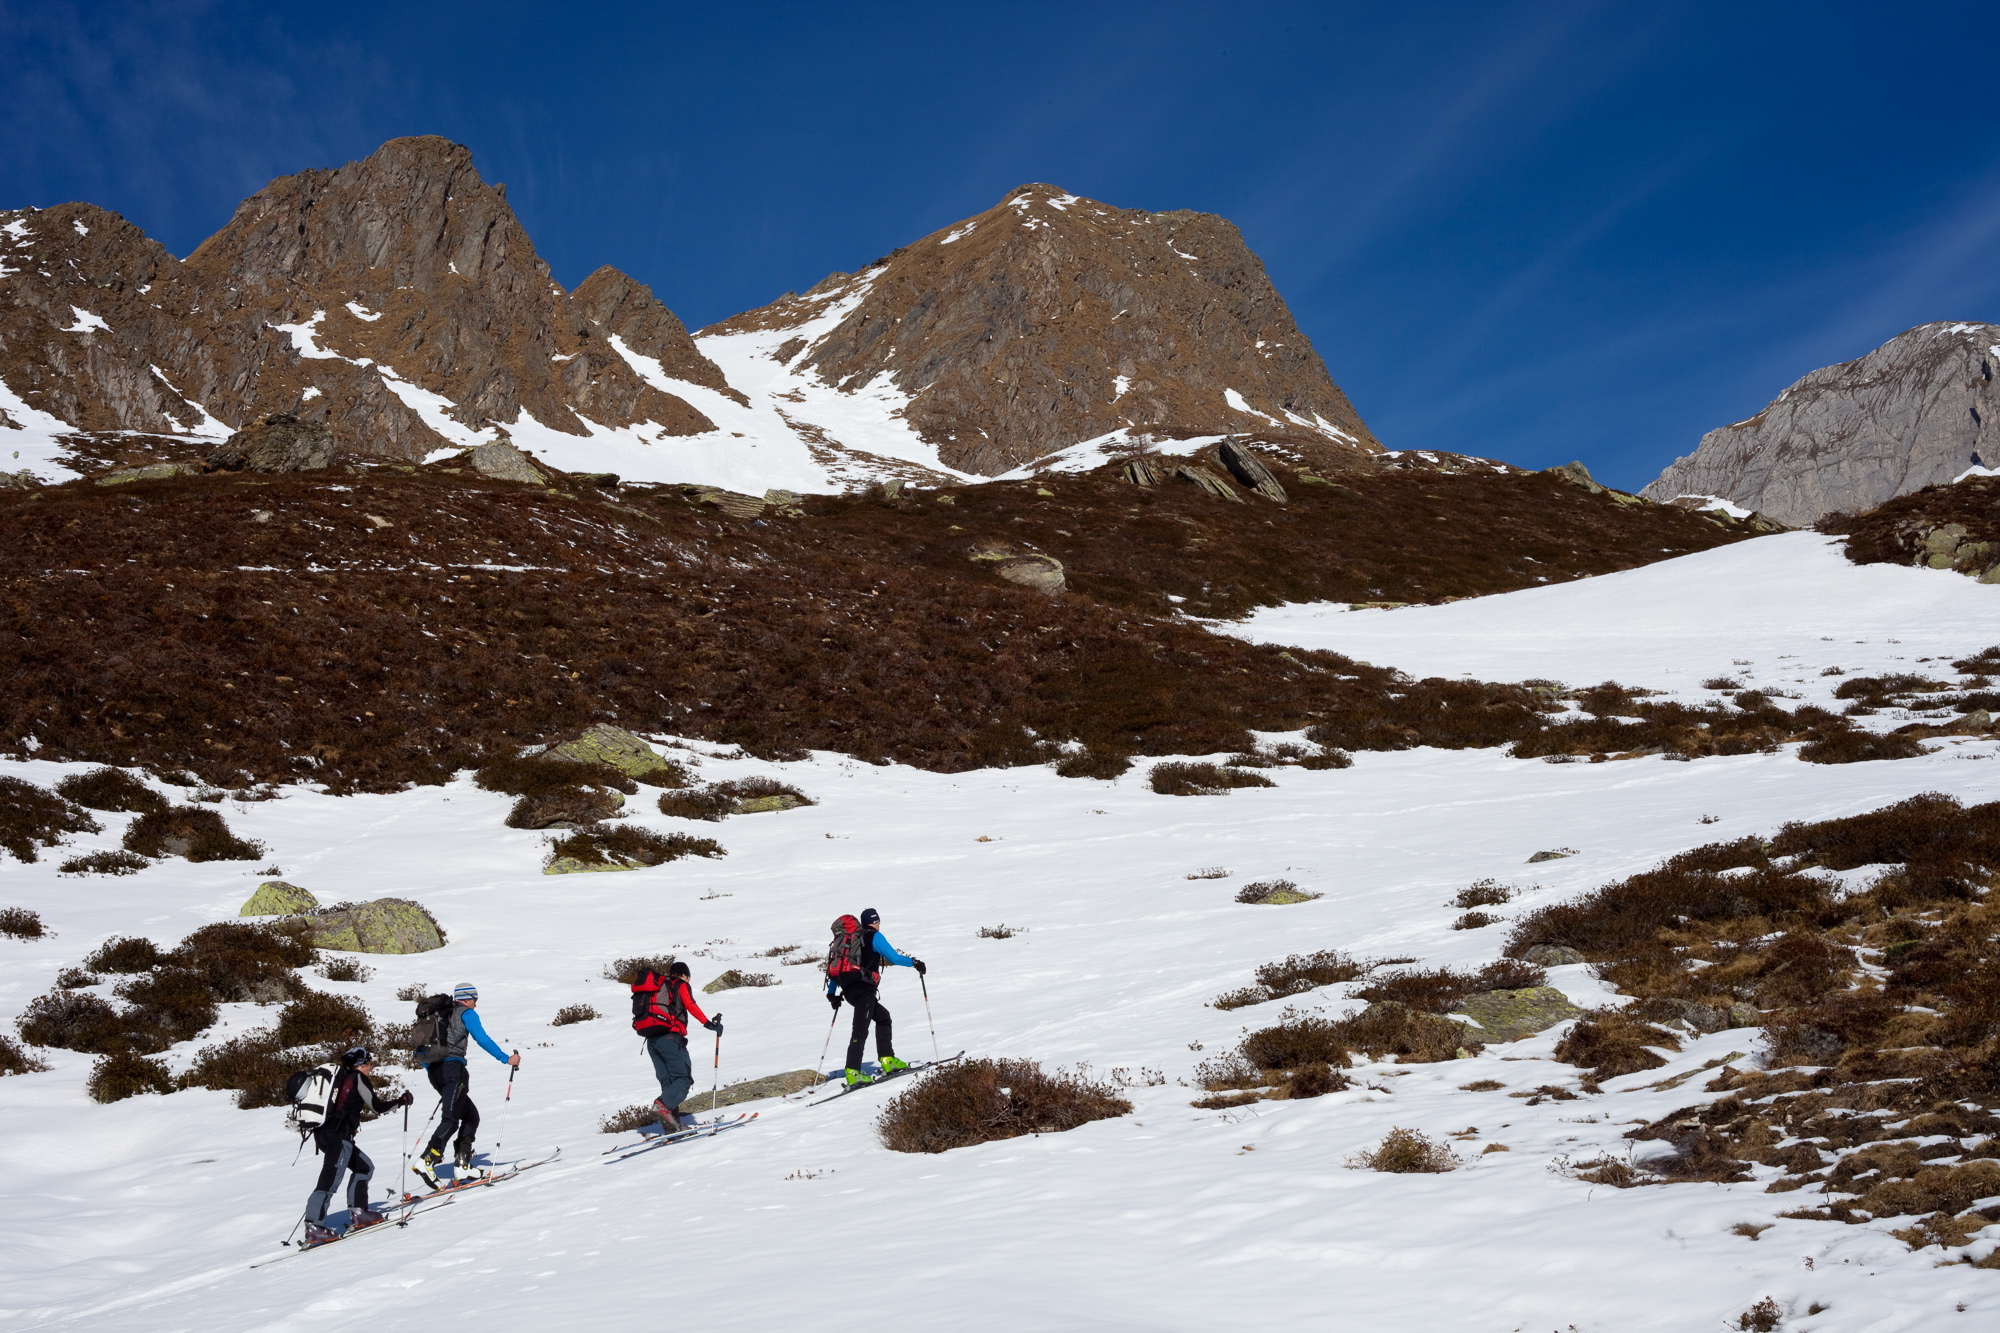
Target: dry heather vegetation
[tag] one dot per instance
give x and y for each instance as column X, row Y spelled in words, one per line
column 172, row 995
column 978, row 1101
column 159, row 625
column 1879, row 1010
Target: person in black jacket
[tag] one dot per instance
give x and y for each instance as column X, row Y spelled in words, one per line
column 352, row 1094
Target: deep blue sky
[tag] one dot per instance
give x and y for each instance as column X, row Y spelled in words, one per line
column 1535, row 232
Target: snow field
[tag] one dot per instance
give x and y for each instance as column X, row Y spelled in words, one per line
column 1168, row 1218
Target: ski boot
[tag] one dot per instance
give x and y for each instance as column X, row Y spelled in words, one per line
column 358, row 1218
column 856, row 1078
column 891, row 1065
column 319, row 1235
column 463, row 1169
column 426, row 1167
column 670, row 1121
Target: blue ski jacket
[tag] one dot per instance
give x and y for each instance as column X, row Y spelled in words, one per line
column 879, row 945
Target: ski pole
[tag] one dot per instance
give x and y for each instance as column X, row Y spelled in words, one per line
column 820, row 1068
column 505, row 1102
column 927, row 1013
column 715, row 1086
column 403, row 1176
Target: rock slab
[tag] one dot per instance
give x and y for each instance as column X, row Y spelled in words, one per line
column 616, row 748
column 274, row 897
column 386, row 925
column 1509, row 1015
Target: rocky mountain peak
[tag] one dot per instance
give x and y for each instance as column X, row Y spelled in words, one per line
column 1918, row 410
column 1051, row 319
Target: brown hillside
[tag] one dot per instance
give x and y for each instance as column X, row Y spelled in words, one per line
column 1012, row 331
column 388, row 625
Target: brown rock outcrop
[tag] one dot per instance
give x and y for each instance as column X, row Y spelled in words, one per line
column 406, row 263
column 1049, row 319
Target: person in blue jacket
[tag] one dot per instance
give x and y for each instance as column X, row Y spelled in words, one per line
column 854, row 973
column 445, row 1064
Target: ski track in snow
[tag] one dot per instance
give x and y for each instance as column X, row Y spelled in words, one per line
column 1168, row 1218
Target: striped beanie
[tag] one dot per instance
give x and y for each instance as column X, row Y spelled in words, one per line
column 464, row 991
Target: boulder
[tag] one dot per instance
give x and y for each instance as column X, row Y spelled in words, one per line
column 732, row 503
column 566, row 807
column 279, row 443
column 782, row 497
column 1144, row 472
column 503, row 462
column 1576, row 474
column 274, row 897
column 1030, row 569
column 571, row 865
column 1556, row 855
column 149, row 472
column 23, row 480
column 386, row 925
column 1552, row 955
column 757, row 805
column 772, row 1085
column 732, row 979
column 616, row 748
column 1208, row 481
column 1509, row 1015
column 1249, row 469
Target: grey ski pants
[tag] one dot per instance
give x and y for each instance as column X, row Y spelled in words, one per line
column 671, row 1067
column 334, row 1159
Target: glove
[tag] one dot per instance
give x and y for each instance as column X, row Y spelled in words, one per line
column 408, row 1098
column 833, row 998
column 714, row 1025
column 918, row 964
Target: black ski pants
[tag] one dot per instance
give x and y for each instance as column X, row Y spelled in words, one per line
column 455, row 1109
column 858, row 991
column 671, row 1066
column 338, row 1155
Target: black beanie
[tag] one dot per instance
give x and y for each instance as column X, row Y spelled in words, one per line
column 870, row 917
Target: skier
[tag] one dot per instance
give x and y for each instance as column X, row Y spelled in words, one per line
column 660, row 1009
column 854, row 973
column 444, row 1063
column 351, row 1093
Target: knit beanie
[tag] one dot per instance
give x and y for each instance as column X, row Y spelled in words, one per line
column 464, row 991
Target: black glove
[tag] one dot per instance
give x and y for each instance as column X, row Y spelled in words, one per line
column 408, row 1097
column 833, row 998
column 918, row 964
column 714, row 1025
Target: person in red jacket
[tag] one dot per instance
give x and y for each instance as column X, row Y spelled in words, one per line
column 660, row 1010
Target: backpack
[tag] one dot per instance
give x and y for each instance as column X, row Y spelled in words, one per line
column 848, row 951
column 648, row 1015
column 433, row 1020
column 307, row 1091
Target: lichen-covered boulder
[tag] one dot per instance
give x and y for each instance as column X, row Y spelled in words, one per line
column 280, row 443
column 753, row 805
column 1552, row 955
column 773, row 1085
column 274, row 897
column 386, row 925
column 149, row 472
column 503, row 462
column 616, row 748
column 1509, row 1015
column 576, row 865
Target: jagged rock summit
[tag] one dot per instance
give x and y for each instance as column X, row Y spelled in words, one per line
column 395, row 310
column 1050, row 319
column 1918, row 410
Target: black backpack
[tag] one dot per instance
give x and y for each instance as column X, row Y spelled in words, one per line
column 433, row 1024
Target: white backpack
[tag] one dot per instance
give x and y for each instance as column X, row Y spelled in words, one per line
column 308, row 1091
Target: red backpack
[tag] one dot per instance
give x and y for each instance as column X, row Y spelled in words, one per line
column 849, row 950
column 651, row 1017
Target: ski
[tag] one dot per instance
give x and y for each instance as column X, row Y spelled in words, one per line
column 698, row 1132
column 658, row 1140
column 880, row 1079
column 352, row 1232
column 459, row 1187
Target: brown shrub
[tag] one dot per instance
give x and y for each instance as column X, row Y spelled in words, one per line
column 1762, row 1317
column 1798, row 968
column 1406, row 1152
column 172, row 1001
column 1854, row 746
column 103, row 863
column 1437, row 990
column 1295, row 1041
column 254, row 1066
column 707, row 803
column 75, row 978
column 189, row 831
column 1296, row 975
column 14, row 1059
column 574, row 1013
column 1485, row 893
column 125, row 953
column 75, row 1021
column 627, row 971
column 536, row 777
column 1388, row 1028
column 1612, row 1042
column 1227, row 1071
column 980, row 1101
column 110, row 789
column 1950, row 1189
column 630, row 846
column 21, row 923
column 566, row 807
column 750, row 789
column 1284, row 890
column 629, row 1119
column 32, row 817
column 1473, row 921
column 116, row 1077
column 244, row 961
column 1314, row 1080
column 1003, row 931
column 345, row 969
column 1105, row 765
column 1187, row 779
column 317, row 1017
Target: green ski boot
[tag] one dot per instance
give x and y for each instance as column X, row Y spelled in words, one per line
column 891, row 1065
column 855, row 1078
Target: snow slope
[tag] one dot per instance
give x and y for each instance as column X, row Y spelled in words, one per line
column 150, row 1210
column 1773, row 612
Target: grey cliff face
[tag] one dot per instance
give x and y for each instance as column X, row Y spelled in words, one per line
column 1918, row 410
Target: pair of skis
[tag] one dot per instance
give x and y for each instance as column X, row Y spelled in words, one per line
column 880, row 1079
column 355, row 1233
column 708, row 1131
column 477, row 1182
column 414, row 1205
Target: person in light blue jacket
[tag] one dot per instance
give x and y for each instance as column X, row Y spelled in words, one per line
column 854, row 974
column 444, row 1063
